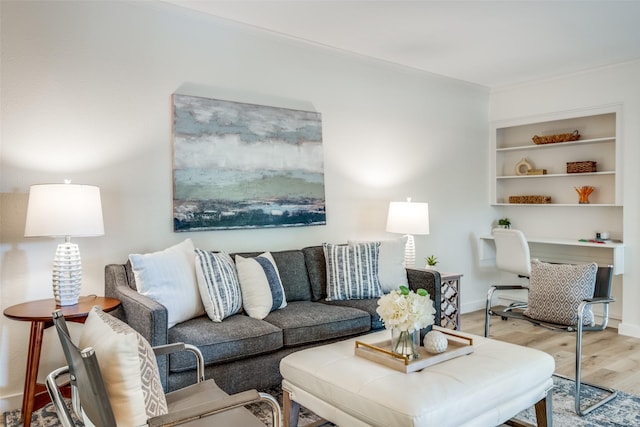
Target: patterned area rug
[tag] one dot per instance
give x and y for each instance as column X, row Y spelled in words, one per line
column 624, row 410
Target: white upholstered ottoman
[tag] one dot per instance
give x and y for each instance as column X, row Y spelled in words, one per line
column 484, row 388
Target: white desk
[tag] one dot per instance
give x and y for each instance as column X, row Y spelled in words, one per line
column 565, row 250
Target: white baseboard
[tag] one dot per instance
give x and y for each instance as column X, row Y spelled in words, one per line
column 9, row 403
column 629, row 330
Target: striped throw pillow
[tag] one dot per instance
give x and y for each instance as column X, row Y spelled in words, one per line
column 352, row 271
column 218, row 284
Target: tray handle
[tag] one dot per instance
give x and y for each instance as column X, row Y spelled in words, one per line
column 382, row 350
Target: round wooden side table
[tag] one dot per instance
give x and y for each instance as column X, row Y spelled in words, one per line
column 39, row 314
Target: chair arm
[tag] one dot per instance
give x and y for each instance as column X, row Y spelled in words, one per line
column 508, row 287
column 599, row 300
column 56, row 396
column 605, row 316
column 180, row 346
column 430, row 281
column 211, row 408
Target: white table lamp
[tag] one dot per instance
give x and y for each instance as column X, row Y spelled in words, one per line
column 408, row 218
column 65, row 210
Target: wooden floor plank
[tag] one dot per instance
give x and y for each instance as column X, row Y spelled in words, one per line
column 609, row 359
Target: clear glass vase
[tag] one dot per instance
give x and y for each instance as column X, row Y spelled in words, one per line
column 405, row 343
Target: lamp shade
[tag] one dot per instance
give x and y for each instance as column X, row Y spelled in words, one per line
column 64, row 210
column 408, row 218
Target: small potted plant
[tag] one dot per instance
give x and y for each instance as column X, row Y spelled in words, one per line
column 504, row 222
column 431, row 261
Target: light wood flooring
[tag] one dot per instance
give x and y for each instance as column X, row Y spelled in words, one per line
column 608, row 359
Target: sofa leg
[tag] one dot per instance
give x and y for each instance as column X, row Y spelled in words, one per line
column 290, row 409
column 544, row 413
column 544, row 410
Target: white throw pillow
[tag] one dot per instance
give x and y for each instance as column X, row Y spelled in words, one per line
column 352, row 271
column 128, row 366
column 169, row 278
column 391, row 270
column 262, row 290
column 218, row 284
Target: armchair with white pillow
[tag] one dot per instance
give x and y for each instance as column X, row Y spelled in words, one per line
column 115, row 381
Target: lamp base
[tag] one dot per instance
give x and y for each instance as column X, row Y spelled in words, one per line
column 67, row 274
column 410, row 252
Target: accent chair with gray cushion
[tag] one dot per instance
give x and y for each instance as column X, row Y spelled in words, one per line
column 242, row 350
column 561, row 297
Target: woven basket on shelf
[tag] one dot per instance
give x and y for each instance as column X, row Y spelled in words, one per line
column 533, row 200
column 562, row 137
column 581, row 167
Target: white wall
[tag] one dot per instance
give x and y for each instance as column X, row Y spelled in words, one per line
column 611, row 85
column 86, row 92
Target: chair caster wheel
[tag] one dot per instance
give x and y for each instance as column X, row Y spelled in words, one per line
column 503, row 318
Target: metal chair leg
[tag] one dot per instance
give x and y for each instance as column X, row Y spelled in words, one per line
column 487, row 315
column 578, row 379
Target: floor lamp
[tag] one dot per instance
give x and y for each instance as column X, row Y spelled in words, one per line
column 408, row 218
column 65, row 210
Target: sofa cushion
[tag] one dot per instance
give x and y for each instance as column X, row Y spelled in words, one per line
column 237, row 337
column 169, row 278
column 304, row 322
column 218, row 284
column 368, row 305
column 317, row 271
column 260, row 283
column 352, row 271
column 293, row 273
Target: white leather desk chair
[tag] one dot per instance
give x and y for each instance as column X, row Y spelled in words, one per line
column 512, row 256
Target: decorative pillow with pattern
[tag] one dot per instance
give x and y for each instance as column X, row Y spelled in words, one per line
column 169, row 278
column 556, row 291
column 352, row 271
column 218, row 284
column 128, row 366
column 262, row 290
column 391, row 270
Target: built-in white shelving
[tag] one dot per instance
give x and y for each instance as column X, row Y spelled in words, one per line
column 599, row 142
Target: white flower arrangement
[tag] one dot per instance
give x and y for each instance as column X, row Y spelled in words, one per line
column 406, row 310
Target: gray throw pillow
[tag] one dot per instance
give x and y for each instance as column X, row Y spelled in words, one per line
column 556, row 291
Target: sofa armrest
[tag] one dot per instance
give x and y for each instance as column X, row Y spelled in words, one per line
column 430, row 281
column 143, row 314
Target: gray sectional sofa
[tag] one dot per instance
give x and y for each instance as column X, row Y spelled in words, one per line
column 241, row 352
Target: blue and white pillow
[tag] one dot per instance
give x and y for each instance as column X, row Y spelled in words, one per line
column 218, row 284
column 352, row 271
column 391, row 269
column 262, row 290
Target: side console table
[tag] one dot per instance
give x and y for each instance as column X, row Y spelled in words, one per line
column 39, row 314
column 450, row 301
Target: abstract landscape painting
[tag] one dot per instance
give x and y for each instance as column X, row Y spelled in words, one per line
column 238, row 165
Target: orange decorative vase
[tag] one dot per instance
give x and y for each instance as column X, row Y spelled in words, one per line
column 584, row 193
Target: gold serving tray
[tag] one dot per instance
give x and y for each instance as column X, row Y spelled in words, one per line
column 381, row 353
